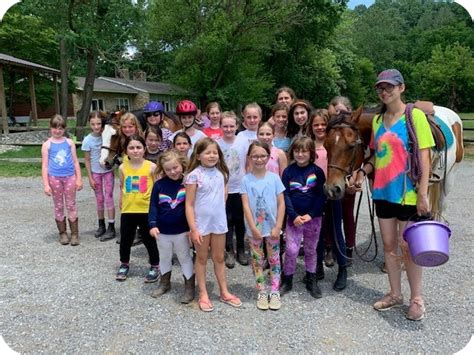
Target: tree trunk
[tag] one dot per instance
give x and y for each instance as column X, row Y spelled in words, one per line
column 86, row 94
column 64, row 76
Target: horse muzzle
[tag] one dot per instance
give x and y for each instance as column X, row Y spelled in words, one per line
column 334, row 191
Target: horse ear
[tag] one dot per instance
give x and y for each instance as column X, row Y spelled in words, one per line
column 355, row 116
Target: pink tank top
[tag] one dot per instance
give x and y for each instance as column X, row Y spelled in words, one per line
column 322, row 159
column 273, row 164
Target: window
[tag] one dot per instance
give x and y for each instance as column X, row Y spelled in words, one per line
column 97, row 104
column 123, row 104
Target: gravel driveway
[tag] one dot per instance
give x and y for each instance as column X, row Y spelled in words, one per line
column 63, row 299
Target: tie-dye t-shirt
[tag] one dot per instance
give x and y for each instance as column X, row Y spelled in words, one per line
column 391, row 182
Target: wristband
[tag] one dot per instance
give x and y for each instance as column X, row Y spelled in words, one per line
column 369, row 163
column 363, row 171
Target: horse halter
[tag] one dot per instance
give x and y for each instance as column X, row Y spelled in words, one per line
column 112, row 120
column 356, row 144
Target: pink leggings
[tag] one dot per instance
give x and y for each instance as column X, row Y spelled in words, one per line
column 104, row 190
column 64, row 189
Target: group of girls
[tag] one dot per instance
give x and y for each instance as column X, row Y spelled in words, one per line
column 233, row 183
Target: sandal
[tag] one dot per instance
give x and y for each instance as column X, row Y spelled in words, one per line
column 232, row 300
column 205, row 306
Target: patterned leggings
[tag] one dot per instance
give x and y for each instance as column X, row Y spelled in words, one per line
column 104, row 187
column 273, row 250
column 64, row 189
column 310, row 232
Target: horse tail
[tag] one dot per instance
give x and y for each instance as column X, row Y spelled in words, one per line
column 435, row 196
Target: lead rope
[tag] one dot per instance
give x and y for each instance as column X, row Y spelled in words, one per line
column 373, row 234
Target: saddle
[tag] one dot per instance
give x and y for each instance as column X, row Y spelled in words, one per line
column 428, row 109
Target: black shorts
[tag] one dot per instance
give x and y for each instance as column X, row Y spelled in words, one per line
column 385, row 209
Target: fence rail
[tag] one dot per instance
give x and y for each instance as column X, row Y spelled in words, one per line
column 468, row 129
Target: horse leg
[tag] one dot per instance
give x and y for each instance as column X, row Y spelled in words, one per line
column 457, row 130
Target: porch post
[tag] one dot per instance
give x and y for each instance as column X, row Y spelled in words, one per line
column 3, row 103
column 34, row 111
column 56, row 94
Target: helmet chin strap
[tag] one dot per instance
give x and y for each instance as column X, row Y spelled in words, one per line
column 192, row 124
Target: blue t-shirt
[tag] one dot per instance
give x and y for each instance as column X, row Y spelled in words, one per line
column 262, row 195
column 282, row 143
column 60, row 161
column 167, row 206
column 304, row 192
column 93, row 144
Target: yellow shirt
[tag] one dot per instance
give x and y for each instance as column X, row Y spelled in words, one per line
column 136, row 189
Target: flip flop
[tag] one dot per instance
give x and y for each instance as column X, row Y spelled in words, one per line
column 205, row 306
column 232, row 300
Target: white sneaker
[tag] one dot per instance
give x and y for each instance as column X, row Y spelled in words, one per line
column 262, row 301
column 275, row 303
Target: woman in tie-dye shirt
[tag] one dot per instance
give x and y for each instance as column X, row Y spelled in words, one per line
column 396, row 198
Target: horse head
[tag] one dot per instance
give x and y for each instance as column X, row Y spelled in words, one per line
column 344, row 144
column 110, row 151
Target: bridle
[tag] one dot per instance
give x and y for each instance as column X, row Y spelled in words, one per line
column 113, row 122
column 357, row 144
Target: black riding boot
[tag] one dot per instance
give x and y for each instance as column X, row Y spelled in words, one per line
column 109, row 233
column 349, row 253
column 312, row 285
column 286, row 284
column 101, row 230
column 341, row 280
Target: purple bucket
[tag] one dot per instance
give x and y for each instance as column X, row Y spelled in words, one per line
column 428, row 242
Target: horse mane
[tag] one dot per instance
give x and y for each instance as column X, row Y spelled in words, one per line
column 341, row 118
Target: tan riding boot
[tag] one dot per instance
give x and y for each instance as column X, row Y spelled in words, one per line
column 189, row 290
column 74, row 232
column 164, row 286
column 63, row 238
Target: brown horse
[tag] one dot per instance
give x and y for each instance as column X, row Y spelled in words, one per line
column 348, row 137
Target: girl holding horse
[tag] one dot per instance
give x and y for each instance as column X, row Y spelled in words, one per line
column 396, row 197
column 101, row 179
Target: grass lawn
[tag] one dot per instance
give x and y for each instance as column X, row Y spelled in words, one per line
column 31, row 152
column 24, row 169
column 17, row 169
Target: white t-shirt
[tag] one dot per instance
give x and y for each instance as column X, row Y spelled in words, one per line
column 93, row 144
column 194, row 138
column 235, row 155
column 209, row 205
column 248, row 136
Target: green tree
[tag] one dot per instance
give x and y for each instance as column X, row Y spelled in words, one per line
column 28, row 37
column 447, row 77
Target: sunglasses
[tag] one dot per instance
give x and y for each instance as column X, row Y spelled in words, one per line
column 156, row 114
column 381, row 88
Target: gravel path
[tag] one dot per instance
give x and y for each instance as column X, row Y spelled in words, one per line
column 63, row 299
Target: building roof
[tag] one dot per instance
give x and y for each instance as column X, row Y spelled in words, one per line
column 101, row 85
column 17, row 62
column 106, row 84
